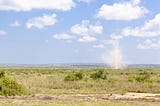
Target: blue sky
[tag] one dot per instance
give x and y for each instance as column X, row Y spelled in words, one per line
column 79, row 31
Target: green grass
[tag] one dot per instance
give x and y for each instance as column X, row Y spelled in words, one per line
column 52, row 80
column 82, row 81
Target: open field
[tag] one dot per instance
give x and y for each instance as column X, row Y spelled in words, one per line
column 89, row 103
column 128, row 99
column 84, row 86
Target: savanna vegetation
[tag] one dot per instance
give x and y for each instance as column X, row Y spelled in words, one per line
column 82, row 80
column 58, row 81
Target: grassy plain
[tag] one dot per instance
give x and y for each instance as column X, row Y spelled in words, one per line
column 51, row 81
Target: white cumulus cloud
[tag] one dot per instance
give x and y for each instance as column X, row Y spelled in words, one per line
column 149, row 29
column 135, row 2
column 2, row 32
column 149, row 44
column 15, row 24
column 116, row 37
column 62, row 36
column 99, row 46
column 86, row 1
column 27, row 5
column 42, row 21
column 86, row 29
column 122, row 11
column 87, row 39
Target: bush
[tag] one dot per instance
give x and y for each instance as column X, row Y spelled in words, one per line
column 145, row 73
column 98, row 75
column 74, row 77
column 2, row 74
column 143, row 77
column 9, row 87
column 79, row 75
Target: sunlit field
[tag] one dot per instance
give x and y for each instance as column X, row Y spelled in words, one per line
column 74, row 85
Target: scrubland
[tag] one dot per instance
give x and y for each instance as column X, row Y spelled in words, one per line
column 84, row 81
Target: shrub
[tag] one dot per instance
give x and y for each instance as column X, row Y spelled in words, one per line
column 79, row 75
column 143, row 77
column 98, row 75
column 70, row 77
column 2, row 74
column 9, row 87
column 145, row 73
column 74, row 76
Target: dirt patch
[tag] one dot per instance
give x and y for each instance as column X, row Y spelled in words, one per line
column 145, row 97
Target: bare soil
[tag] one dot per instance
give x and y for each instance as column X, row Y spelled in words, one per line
column 139, row 97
